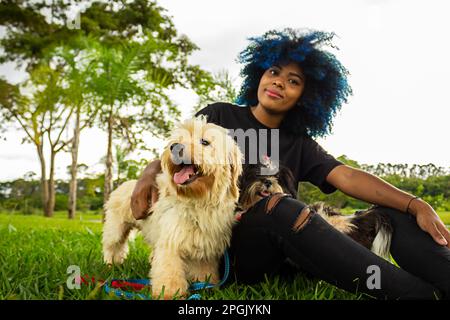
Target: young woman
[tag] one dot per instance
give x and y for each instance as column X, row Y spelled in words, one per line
column 294, row 86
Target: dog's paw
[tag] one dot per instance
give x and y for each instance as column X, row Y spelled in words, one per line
column 171, row 289
column 210, row 278
column 215, row 278
column 113, row 260
column 108, row 260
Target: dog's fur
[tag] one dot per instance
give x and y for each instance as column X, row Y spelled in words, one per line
column 370, row 227
column 189, row 227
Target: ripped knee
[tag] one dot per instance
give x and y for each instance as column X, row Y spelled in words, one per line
column 303, row 217
column 273, row 201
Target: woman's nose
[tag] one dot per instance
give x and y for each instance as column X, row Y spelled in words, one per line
column 278, row 83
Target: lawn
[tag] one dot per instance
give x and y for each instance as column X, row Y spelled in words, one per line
column 35, row 253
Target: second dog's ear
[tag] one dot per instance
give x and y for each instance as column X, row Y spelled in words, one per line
column 235, row 158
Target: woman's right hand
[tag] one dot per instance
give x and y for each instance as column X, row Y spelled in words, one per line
column 145, row 192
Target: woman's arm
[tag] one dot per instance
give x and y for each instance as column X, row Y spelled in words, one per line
column 145, row 191
column 367, row 187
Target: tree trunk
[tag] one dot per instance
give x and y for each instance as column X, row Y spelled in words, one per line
column 109, row 162
column 44, row 182
column 73, row 169
column 51, row 186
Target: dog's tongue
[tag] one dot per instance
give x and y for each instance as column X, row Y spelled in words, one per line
column 181, row 176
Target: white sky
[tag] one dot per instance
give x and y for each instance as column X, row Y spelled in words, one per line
column 396, row 51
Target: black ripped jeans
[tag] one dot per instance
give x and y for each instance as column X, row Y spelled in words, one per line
column 262, row 243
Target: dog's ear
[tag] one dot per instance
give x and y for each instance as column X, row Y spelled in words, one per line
column 287, row 181
column 165, row 158
column 235, row 160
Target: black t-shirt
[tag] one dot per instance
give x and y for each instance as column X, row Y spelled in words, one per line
column 307, row 160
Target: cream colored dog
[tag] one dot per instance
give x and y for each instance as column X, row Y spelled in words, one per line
column 189, row 227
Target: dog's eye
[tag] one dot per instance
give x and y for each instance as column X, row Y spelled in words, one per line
column 204, row 142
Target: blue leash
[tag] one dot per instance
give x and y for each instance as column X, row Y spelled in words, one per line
column 146, row 282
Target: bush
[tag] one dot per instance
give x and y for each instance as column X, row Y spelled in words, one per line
column 61, row 202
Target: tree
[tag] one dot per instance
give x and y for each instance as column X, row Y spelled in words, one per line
column 126, row 168
column 126, row 37
column 123, row 97
column 346, row 160
column 77, row 66
column 221, row 89
column 132, row 82
column 41, row 116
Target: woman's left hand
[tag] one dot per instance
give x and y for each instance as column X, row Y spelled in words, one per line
column 429, row 221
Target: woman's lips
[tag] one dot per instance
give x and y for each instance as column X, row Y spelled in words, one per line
column 273, row 94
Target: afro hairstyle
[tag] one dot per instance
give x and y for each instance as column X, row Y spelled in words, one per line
column 326, row 86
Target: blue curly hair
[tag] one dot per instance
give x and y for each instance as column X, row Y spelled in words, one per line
column 326, row 86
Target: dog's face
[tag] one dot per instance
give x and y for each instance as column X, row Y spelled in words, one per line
column 255, row 186
column 200, row 159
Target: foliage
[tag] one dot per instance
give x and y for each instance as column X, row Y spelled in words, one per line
column 222, row 89
column 115, row 70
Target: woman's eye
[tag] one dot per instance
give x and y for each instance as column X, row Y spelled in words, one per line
column 294, row 82
column 273, row 71
column 204, row 142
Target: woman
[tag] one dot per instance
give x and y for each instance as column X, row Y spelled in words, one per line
column 293, row 86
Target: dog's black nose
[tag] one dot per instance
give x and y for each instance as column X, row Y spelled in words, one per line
column 267, row 183
column 177, row 149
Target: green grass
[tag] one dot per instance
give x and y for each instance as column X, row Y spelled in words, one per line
column 35, row 253
column 445, row 217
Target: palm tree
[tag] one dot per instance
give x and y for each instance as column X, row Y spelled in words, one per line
column 77, row 65
column 131, row 94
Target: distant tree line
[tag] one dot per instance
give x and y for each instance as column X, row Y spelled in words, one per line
column 428, row 181
column 23, row 195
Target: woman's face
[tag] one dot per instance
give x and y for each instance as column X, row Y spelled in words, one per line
column 280, row 87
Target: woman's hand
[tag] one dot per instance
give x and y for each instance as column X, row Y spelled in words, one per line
column 429, row 221
column 145, row 192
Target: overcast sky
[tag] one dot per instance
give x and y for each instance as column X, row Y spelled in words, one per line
column 396, row 51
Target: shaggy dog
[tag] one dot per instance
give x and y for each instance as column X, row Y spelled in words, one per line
column 370, row 227
column 189, row 227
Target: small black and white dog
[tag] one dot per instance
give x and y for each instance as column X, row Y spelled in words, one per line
column 371, row 228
